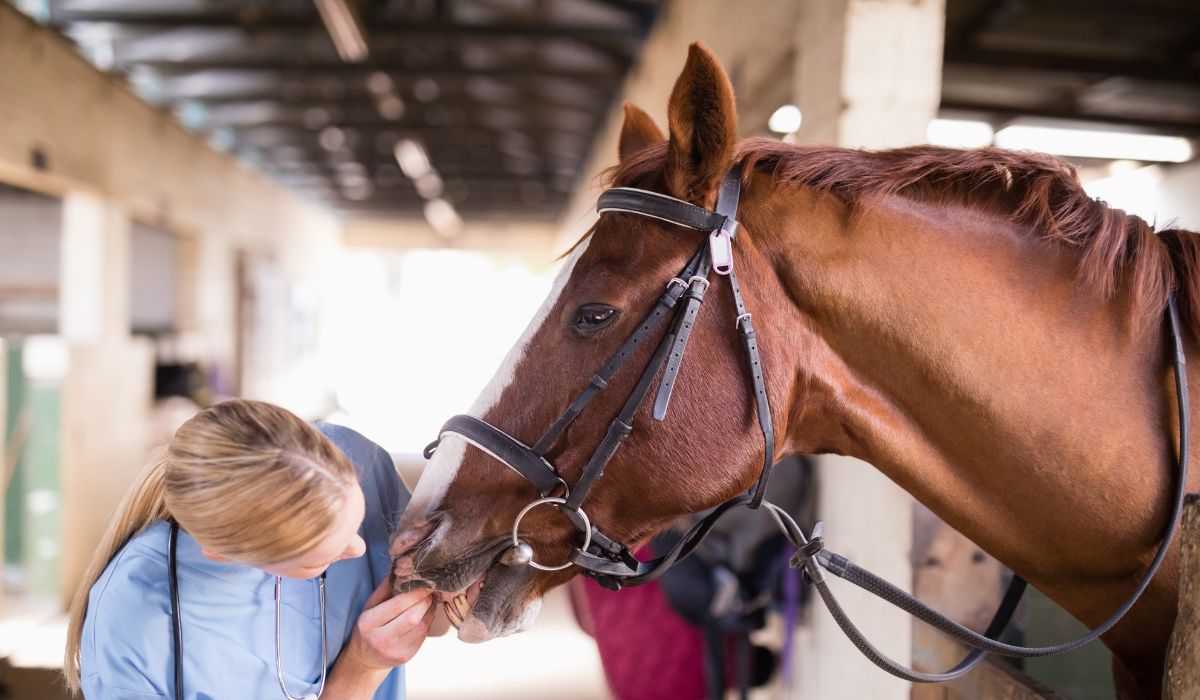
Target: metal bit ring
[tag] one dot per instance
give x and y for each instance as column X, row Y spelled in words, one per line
column 558, row 502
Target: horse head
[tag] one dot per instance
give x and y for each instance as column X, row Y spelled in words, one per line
column 459, row 525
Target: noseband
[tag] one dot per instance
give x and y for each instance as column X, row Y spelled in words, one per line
column 611, row 563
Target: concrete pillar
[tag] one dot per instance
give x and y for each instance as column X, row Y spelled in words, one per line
column 868, row 72
column 867, row 75
column 6, row 465
column 95, row 277
column 108, row 385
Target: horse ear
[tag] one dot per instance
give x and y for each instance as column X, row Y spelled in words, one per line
column 638, row 131
column 703, row 122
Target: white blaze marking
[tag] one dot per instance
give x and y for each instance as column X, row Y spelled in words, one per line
column 444, row 465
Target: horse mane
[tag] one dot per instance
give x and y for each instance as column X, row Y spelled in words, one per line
column 1115, row 251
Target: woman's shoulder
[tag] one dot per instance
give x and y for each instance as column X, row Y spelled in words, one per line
column 370, row 460
column 374, row 466
column 361, row 450
column 133, row 587
column 146, row 549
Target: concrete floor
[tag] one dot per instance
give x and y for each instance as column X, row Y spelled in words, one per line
column 32, row 637
column 553, row 661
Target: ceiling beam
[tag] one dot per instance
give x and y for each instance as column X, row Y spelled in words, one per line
column 1061, row 63
column 392, row 27
column 448, row 134
column 1171, row 10
column 362, row 99
column 312, row 70
column 644, row 11
column 987, row 14
column 1187, row 45
column 1008, row 111
column 380, row 124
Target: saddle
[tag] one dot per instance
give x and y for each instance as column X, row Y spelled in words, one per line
column 727, row 587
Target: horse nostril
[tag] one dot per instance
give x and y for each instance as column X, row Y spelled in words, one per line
column 408, row 540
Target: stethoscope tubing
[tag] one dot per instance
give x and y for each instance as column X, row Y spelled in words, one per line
column 177, row 624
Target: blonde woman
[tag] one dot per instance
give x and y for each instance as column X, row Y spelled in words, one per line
column 279, row 531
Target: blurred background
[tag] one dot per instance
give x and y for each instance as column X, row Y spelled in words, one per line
column 352, row 208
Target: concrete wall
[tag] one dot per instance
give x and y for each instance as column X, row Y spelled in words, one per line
column 156, row 259
column 30, row 241
column 1162, row 194
column 537, row 240
column 1179, row 203
column 151, row 169
column 72, row 132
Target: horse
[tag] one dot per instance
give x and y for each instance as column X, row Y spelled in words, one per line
column 971, row 323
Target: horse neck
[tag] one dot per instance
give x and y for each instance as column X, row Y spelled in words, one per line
column 957, row 355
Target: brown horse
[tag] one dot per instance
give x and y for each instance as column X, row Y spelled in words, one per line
column 969, row 322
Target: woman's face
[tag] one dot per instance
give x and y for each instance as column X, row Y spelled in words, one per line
column 342, row 541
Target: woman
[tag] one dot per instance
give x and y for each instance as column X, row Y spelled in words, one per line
column 264, row 505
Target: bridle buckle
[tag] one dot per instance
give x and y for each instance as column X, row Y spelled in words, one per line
column 720, row 247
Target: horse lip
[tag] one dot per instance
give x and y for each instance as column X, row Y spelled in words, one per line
column 454, row 575
column 494, row 609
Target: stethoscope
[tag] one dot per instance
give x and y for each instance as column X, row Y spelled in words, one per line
column 177, row 627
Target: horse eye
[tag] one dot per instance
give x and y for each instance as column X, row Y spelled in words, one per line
column 590, row 318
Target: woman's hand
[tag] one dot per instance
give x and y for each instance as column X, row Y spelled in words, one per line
column 388, row 633
column 391, row 630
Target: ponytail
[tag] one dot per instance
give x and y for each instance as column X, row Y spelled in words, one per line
column 246, row 479
column 142, row 505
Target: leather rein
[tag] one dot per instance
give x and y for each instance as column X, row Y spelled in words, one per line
column 611, row 563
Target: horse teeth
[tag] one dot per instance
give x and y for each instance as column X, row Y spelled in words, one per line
column 452, row 614
column 464, row 607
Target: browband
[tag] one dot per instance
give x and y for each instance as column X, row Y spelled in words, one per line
column 632, row 200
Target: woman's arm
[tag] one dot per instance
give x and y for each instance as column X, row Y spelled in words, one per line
column 388, row 633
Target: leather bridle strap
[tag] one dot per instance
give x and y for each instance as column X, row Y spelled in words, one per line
column 505, row 448
column 745, row 327
column 530, row 461
column 676, row 288
column 726, row 211
column 632, row 200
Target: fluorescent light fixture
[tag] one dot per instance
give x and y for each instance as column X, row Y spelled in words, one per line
column 332, row 138
column 1116, row 145
column 412, row 158
column 345, row 29
column 959, row 133
column 390, row 107
column 785, row 120
column 429, row 185
column 441, row 216
column 380, row 83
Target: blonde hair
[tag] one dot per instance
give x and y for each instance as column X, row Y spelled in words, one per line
column 248, row 480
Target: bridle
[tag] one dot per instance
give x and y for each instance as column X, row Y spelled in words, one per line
column 611, row 563
column 607, row 561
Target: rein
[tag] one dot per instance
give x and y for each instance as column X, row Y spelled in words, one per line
column 613, row 566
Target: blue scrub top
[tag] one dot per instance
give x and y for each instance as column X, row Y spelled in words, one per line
column 228, row 610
